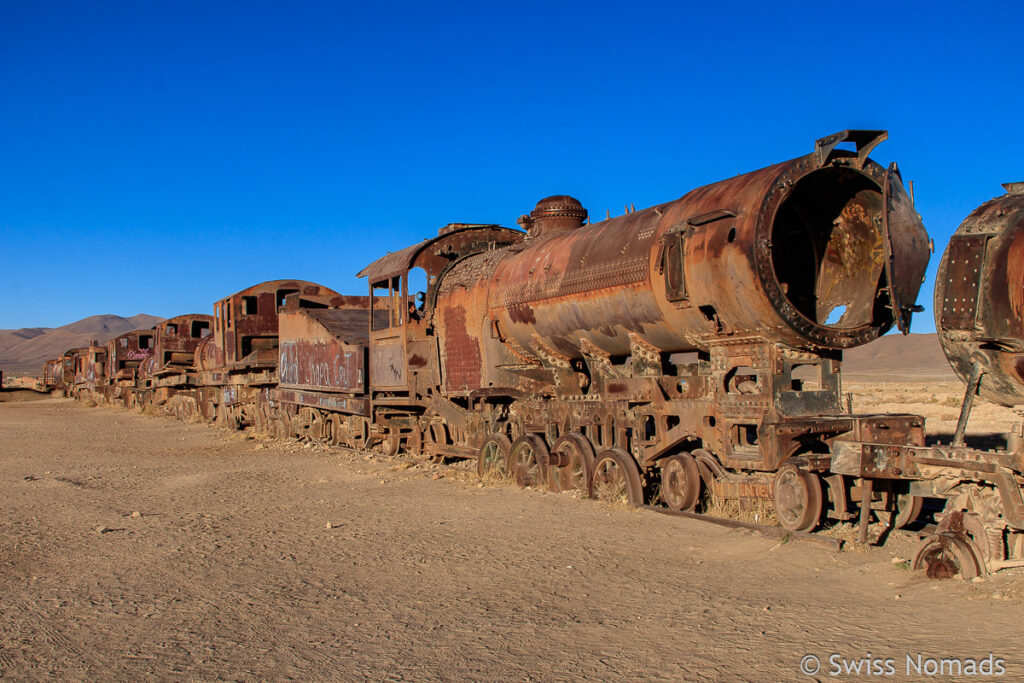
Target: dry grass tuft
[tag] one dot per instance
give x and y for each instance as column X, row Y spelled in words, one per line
column 754, row 510
column 497, row 476
column 611, row 495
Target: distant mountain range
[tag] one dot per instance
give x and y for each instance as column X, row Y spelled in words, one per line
column 25, row 350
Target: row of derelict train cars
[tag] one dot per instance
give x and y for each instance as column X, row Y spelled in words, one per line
column 672, row 354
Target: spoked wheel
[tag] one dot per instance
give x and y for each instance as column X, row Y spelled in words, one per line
column 616, row 478
column 950, row 554
column 527, row 460
column 493, row 455
column 797, row 496
column 572, row 461
column 680, row 482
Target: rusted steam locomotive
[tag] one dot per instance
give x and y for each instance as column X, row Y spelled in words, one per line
column 687, row 350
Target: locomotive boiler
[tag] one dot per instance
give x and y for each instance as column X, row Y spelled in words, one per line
column 979, row 299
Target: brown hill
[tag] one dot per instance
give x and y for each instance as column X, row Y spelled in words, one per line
column 24, row 350
column 914, row 356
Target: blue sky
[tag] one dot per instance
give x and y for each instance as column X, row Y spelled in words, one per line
column 158, row 156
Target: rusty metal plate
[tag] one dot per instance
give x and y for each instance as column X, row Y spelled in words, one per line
column 965, row 259
column 330, row 402
column 597, row 277
column 323, row 365
column 460, row 352
column 906, row 246
column 387, row 363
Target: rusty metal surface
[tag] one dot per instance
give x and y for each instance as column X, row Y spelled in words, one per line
column 906, row 249
column 451, row 239
column 605, row 281
column 53, row 374
column 964, row 258
column 176, row 341
column 125, row 353
column 979, row 299
column 324, row 349
column 246, row 323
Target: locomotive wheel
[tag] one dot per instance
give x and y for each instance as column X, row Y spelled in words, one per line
column 317, row 425
column 797, row 497
column 527, row 461
column 573, row 460
column 437, row 437
column 309, row 424
column 493, row 455
column 680, row 482
column 389, row 445
column 616, row 478
column 414, row 442
column 282, row 425
column 360, row 436
column 949, row 554
column 908, row 509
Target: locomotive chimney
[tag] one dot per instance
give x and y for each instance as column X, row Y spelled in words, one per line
column 553, row 215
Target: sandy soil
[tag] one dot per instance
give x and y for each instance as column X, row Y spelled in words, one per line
column 140, row 547
column 16, row 394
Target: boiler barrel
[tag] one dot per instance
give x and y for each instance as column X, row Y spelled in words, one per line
column 793, row 253
column 979, row 297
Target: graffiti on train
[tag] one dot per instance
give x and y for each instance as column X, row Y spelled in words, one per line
column 321, row 364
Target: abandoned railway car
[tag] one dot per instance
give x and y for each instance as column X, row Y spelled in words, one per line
column 166, row 378
column 236, row 366
column 687, row 350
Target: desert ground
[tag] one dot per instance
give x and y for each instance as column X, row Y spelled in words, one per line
column 134, row 546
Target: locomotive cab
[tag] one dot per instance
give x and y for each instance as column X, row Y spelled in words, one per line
column 402, row 344
column 245, row 324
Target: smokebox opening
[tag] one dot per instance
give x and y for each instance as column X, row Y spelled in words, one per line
column 827, row 249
